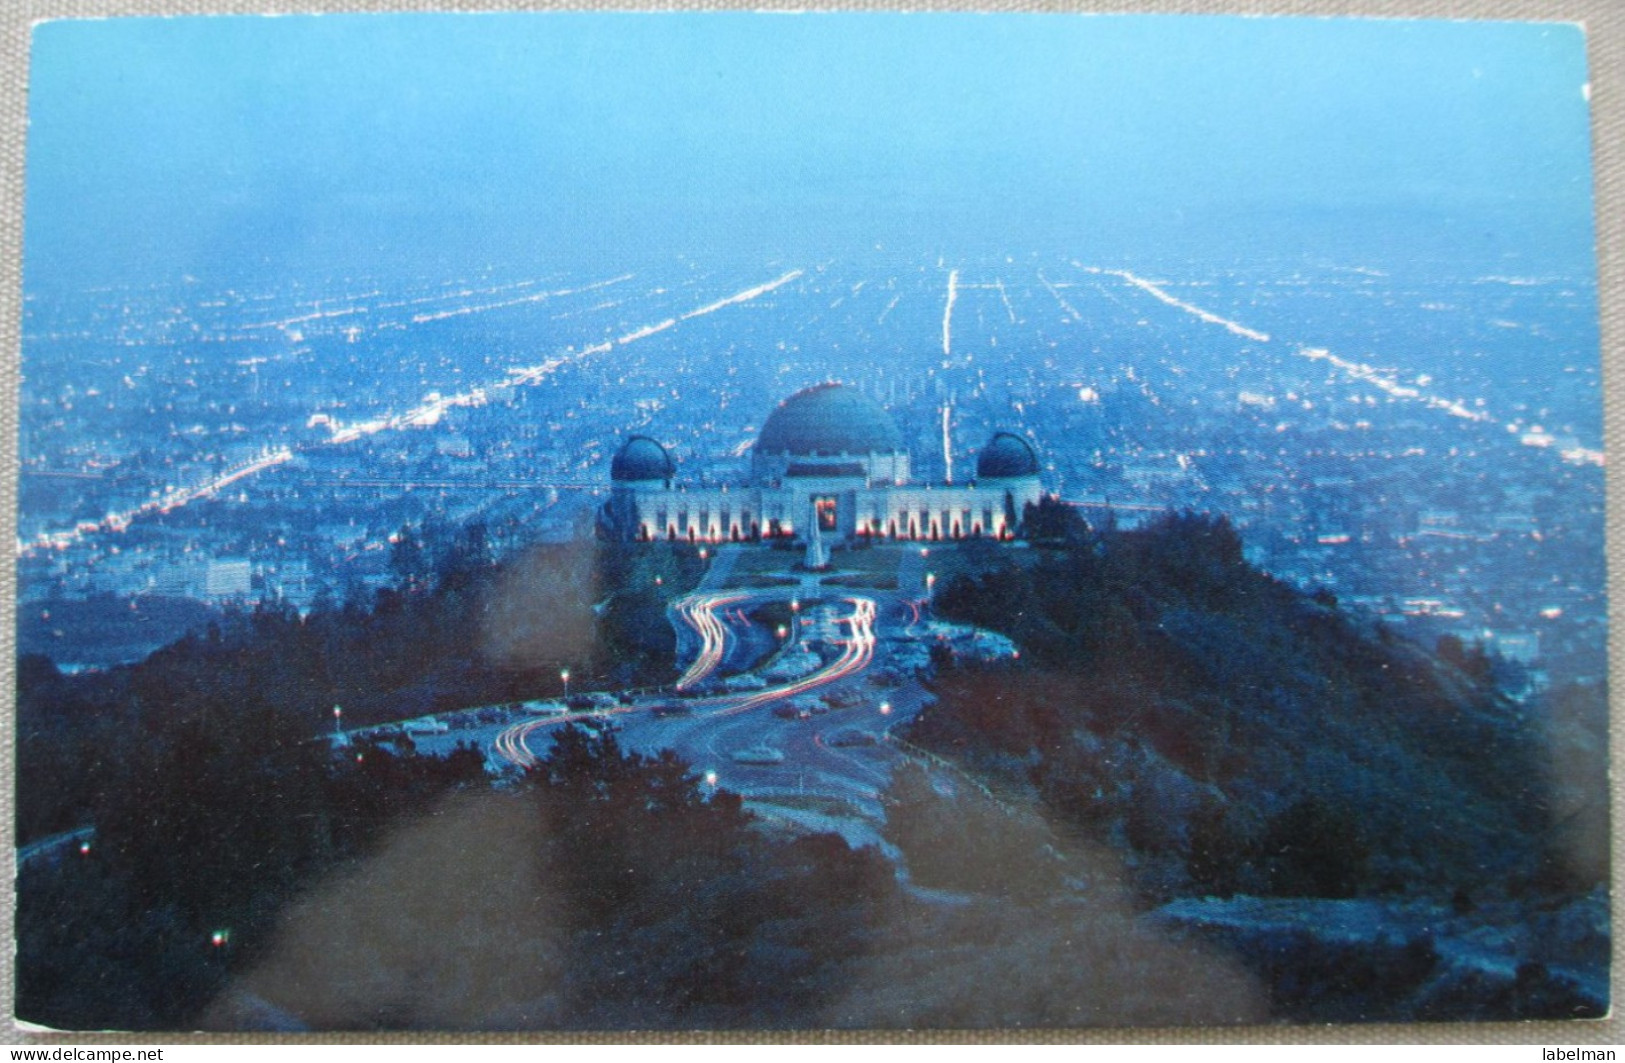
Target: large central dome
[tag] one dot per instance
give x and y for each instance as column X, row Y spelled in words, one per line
column 828, row 420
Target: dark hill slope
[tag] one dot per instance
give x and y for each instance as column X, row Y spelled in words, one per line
column 1230, row 734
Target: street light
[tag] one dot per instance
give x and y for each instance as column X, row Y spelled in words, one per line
column 338, row 716
column 565, row 675
column 885, row 708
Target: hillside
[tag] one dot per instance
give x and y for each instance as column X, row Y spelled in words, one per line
column 1228, row 735
column 1198, row 796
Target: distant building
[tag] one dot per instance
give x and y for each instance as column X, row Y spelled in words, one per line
column 829, row 457
column 228, row 578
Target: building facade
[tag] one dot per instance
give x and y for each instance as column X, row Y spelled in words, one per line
column 828, row 457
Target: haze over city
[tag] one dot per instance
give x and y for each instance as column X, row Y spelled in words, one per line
column 225, row 147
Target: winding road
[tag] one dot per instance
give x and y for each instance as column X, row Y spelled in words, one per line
column 857, row 650
column 837, row 686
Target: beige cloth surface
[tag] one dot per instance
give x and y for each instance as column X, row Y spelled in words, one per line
column 1605, row 26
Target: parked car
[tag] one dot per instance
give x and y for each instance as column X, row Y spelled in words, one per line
column 758, row 755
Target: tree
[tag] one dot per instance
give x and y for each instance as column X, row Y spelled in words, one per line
column 1315, row 849
column 619, row 519
column 1053, row 521
column 407, row 560
column 465, row 558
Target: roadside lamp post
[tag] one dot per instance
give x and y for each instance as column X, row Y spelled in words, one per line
column 930, row 583
column 565, row 676
column 338, row 717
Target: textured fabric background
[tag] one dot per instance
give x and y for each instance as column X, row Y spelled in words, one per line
column 1605, row 26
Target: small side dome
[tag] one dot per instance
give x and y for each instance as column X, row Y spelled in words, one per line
column 641, row 458
column 1006, row 456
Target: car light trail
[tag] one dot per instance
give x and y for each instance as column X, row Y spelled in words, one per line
column 744, row 296
column 1179, row 304
column 428, row 413
column 1359, row 371
column 1071, row 310
column 699, row 613
column 464, row 292
column 441, row 315
column 1005, row 296
column 301, row 319
column 1370, row 375
column 173, row 499
column 646, row 331
column 881, row 320
column 512, row 743
column 857, row 652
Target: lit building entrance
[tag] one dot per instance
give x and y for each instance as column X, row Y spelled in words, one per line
column 824, row 506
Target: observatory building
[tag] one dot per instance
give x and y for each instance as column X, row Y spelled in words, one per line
column 829, row 465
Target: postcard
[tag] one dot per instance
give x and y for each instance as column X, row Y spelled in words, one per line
column 725, row 521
